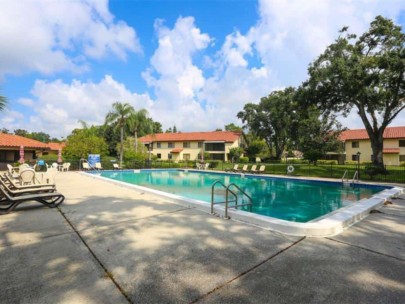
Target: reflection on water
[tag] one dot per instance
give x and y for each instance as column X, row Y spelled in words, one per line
column 293, row 200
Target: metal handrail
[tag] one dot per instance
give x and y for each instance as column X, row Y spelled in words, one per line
column 356, row 174
column 212, row 195
column 344, row 175
column 236, row 205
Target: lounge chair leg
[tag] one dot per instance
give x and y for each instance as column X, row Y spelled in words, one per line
column 8, row 208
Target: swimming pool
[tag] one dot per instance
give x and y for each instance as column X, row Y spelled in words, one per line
column 287, row 199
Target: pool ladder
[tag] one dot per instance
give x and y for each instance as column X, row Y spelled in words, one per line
column 345, row 179
column 234, row 199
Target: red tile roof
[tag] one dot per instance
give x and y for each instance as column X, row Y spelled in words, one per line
column 390, row 132
column 15, row 141
column 54, row 146
column 177, row 150
column 391, row 150
column 225, row 136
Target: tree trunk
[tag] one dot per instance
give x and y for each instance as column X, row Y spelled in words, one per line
column 136, row 141
column 377, row 145
column 376, row 136
column 121, row 145
column 279, row 151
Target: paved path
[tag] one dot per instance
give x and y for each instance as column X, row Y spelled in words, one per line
column 111, row 244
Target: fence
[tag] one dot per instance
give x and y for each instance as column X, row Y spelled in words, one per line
column 394, row 174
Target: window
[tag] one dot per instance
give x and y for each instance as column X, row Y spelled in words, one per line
column 402, row 142
column 170, row 145
column 215, row 147
column 186, row 145
column 200, row 144
column 158, row 145
column 186, row 156
column 159, row 156
column 354, row 157
column 169, row 156
column 355, row 144
column 402, row 158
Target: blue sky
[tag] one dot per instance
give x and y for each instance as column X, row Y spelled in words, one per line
column 193, row 64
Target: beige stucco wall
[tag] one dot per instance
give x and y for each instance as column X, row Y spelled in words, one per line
column 366, row 152
column 192, row 151
column 364, row 148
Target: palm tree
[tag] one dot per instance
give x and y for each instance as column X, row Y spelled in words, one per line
column 118, row 117
column 3, row 102
column 139, row 122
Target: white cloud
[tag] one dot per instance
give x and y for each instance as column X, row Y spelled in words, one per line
column 173, row 76
column 290, row 34
column 272, row 54
column 353, row 120
column 11, row 119
column 57, row 106
column 287, row 37
column 26, row 102
column 50, row 36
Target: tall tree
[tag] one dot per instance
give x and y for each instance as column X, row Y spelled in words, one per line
column 139, row 124
column 233, row 127
column 254, row 148
column 157, row 127
column 21, row 132
column 118, row 117
column 81, row 143
column 3, row 102
column 40, row 136
column 366, row 74
column 272, row 118
column 317, row 134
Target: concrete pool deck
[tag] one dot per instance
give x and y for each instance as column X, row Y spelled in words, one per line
column 111, row 244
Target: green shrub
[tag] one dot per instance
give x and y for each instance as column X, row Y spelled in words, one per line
column 354, row 162
column 350, row 162
column 294, row 161
column 49, row 158
column 327, row 162
column 372, row 171
column 244, row 160
column 214, row 164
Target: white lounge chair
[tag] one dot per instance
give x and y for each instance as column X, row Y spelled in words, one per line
column 206, row 166
column 234, row 169
column 245, row 169
column 261, row 169
column 116, row 167
column 12, row 171
column 85, row 166
column 27, row 176
column 253, row 169
column 65, row 166
column 98, row 166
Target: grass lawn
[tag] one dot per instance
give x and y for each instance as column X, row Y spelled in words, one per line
column 395, row 173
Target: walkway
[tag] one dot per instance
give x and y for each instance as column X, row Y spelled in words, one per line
column 110, row 244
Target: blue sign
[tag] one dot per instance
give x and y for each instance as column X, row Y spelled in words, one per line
column 93, row 159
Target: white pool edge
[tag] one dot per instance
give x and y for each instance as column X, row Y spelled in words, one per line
column 325, row 226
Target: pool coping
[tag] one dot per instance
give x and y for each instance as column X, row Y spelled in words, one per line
column 333, row 224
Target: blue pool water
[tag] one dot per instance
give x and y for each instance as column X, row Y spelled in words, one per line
column 287, row 199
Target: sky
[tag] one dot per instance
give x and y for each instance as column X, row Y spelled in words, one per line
column 191, row 63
